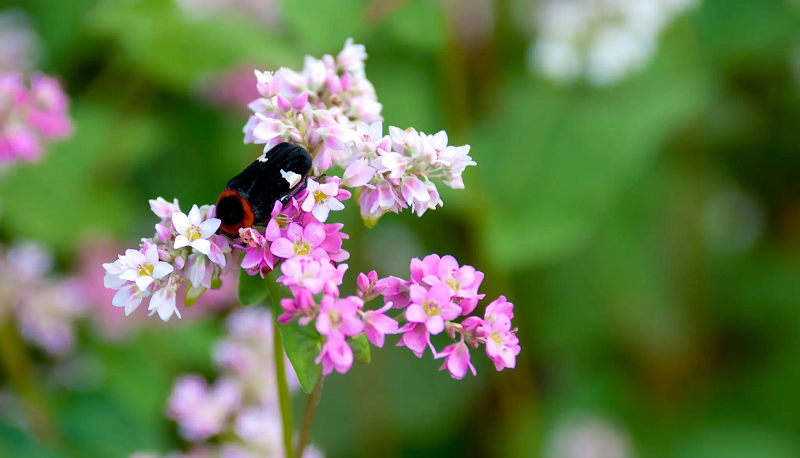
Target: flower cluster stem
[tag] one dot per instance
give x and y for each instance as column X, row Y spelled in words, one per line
column 283, row 389
column 308, row 418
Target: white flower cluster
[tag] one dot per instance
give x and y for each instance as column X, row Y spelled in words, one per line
column 603, row 40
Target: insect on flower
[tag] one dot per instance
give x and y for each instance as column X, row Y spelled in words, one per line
column 248, row 197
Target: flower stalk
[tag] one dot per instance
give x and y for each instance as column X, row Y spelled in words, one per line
column 308, row 419
column 283, row 390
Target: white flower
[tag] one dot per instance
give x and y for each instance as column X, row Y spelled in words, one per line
column 143, row 268
column 163, row 301
column 129, row 297
column 351, row 58
column 322, row 199
column 193, row 231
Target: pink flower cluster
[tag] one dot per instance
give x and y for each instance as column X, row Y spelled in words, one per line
column 330, row 108
column 45, row 308
column 31, row 116
column 298, row 229
column 237, row 415
column 184, row 255
column 439, row 293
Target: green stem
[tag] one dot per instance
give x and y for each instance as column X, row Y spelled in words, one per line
column 18, row 369
column 283, row 388
column 308, row 418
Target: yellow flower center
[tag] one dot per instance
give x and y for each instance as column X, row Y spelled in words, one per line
column 193, row 233
column 320, row 197
column 454, row 284
column 431, row 308
column 302, row 248
column 146, row 270
column 336, row 318
column 283, row 221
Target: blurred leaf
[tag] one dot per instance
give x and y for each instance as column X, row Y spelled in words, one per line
column 553, row 159
column 772, row 28
column 361, row 350
column 14, row 442
column 57, row 200
column 252, row 289
column 161, row 41
column 418, row 25
column 323, row 24
column 302, row 343
column 738, row 441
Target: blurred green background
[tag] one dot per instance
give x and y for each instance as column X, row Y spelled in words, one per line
column 648, row 232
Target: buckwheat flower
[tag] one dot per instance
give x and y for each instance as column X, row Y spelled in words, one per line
column 31, row 117
column 416, row 337
column 336, row 355
column 358, row 174
column 129, row 297
column 351, row 58
column 377, row 325
column 301, row 241
column 261, row 427
column 499, row 306
column 457, row 360
column 333, row 242
column 143, row 268
column 202, row 411
column 193, row 231
column 163, row 301
column 302, row 307
column 395, row 290
column 164, row 209
column 431, row 307
column 463, row 281
column 322, row 199
column 307, row 272
column 502, row 345
column 258, row 257
column 340, row 316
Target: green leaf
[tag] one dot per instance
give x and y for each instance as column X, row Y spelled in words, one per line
column 192, row 295
column 301, row 343
column 252, row 289
column 163, row 42
column 360, row 346
column 557, row 158
column 323, row 24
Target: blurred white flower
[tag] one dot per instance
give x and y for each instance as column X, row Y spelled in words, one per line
column 588, row 436
column 601, row 40
column 19, row 44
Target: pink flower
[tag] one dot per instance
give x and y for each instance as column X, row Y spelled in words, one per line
column 129, row 297
column 395, row 290
column 457, row 360
column 499, row 307
column 193, row 231
column 340, row 316
column 463, row 281
column 502, row 345
column 258, row 257
column 202, row 411
column 336, row 355
column 431, row 307
column 358, row 174
column 163, row 209
column 322, row 199
column 416, row 337
column 376, row 325
column 333, row 242
column 32, row 117
column 301, row 241
column 309, row 273
column 302, row 307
